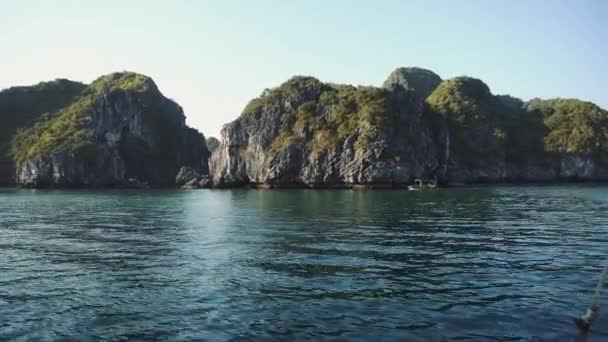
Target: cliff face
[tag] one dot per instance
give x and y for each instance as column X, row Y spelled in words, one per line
column 120, row 131
column 307, row 133
column 21, row 107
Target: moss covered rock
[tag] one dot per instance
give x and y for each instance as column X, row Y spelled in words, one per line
column 22, row 107
column 309, row 133
column 120, row 128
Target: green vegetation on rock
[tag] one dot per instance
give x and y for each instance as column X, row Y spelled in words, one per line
column 483, row 126
column 22, row 107
column 287, row 91
column 358, row 109
column 281, row 141
column 485, row 130
column 474, row 117
column 573, row 125
column 520, row 132
column 126, row 81
column 330, row 116
column 68, row 128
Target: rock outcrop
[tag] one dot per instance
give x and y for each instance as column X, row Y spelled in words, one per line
column 21, row 107
column 120, row 131
column 187, row 174
column 212, row 144
column 308, row 133
column 422, row 81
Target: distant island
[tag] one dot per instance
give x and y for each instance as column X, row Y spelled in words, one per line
column 120, row 131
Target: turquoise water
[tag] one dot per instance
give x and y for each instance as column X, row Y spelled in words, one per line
column 505, row 263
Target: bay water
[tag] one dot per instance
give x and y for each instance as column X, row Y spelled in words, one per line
column 479, row 264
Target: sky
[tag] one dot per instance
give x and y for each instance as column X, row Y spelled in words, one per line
column 212, row 57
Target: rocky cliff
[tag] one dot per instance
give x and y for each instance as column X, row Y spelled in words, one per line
column 21, row 107
column 119, row 131
column 309, row 133
column 489, row 138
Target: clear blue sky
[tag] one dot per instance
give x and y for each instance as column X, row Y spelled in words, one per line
column 213, row 56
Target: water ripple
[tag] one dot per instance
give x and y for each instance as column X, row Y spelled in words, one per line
column 499, row 264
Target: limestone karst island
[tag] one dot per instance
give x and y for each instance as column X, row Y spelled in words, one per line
column 121, row 131
column 303, row 171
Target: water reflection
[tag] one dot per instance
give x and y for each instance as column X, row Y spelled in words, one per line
column 476, row 264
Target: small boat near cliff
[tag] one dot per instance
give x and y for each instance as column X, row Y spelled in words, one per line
column 420, row 184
